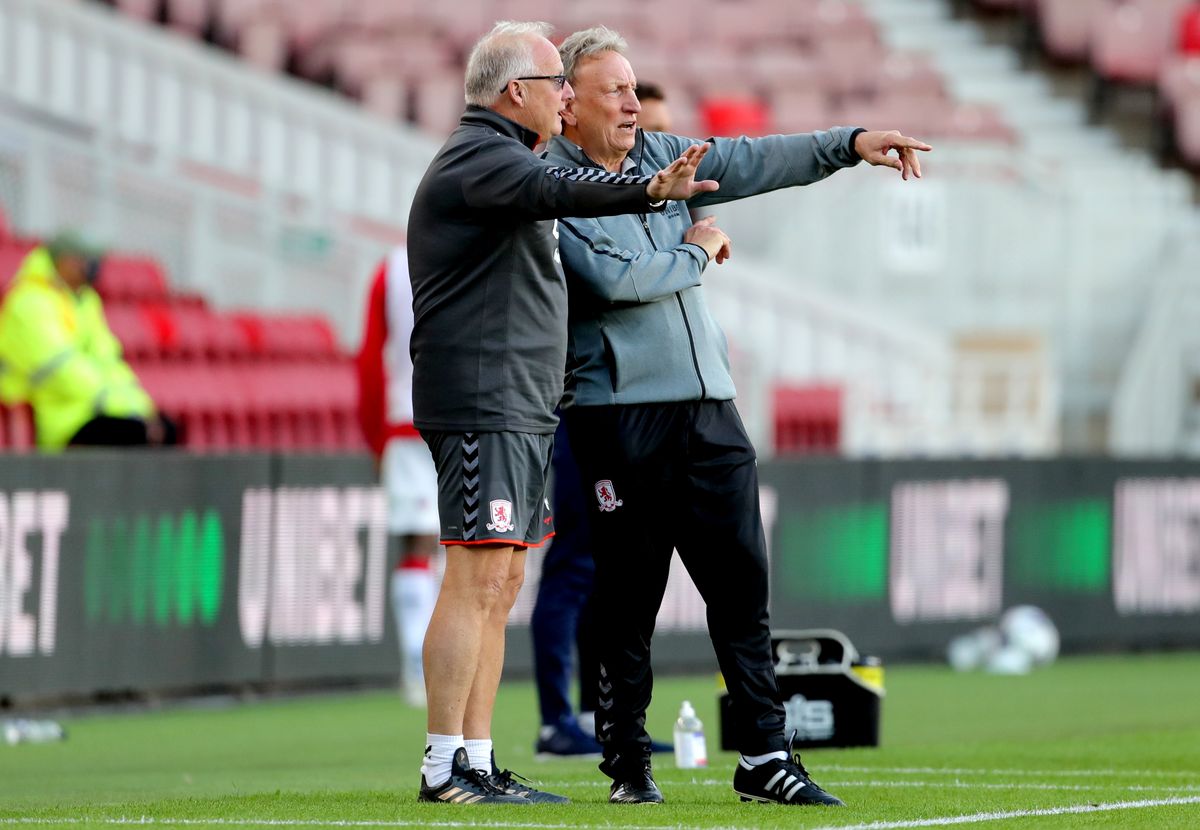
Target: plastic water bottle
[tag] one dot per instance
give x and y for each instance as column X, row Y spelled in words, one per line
column 24, row 731
column 690, row 749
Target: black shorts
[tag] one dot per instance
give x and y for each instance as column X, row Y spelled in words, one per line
column 492, row 487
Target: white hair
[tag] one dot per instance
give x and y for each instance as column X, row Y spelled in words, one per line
column 588, row 42
column 502, row 54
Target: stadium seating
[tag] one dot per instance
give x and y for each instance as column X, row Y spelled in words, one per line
column 1143, row 43
column 233, row 381
column 131, row 278
column 11, row 253
column 403, row 59
column 16, row 429
column 807, row 419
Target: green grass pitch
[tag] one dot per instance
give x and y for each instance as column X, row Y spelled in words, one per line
column 1098, row 742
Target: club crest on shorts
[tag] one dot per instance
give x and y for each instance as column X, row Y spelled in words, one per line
column 501, row 516
column 607, row 496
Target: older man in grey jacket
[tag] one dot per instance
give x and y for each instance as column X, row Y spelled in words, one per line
column 649, row 409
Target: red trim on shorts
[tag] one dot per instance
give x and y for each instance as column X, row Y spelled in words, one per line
column 499, row 542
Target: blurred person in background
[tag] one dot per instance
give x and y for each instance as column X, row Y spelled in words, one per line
column 649, row 410
column 562, row 614
column 406, row 468
column 489, row 345
column 58, row 354
column 655, row 116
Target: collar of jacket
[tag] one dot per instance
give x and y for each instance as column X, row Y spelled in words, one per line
column 39, row 267
column 490, row 118
column 561, row 146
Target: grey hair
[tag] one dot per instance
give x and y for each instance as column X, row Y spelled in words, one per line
column 499, row 56
column 588, row 42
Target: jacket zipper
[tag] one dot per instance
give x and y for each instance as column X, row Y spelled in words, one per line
column 687, row 324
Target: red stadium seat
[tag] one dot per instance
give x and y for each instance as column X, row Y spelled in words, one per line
column 975, row 122
column 263, row 43
column 191, row 16
column 800, row 111
column 295, row 336
column 16, row 429
column 1066, row 27
column 11, row 255
column 734, row 116
column 126, row 277
column 141, row 9
column 439, row 102
column 1131, row 41
column 807, row 419
column 141, row 338
column 1189, row 31
column 1180, row 79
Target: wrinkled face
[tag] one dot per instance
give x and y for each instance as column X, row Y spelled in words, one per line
column 605, row 109
column 655, row 117
column 544, row 101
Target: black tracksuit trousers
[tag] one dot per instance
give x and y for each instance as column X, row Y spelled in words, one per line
column 660, row 477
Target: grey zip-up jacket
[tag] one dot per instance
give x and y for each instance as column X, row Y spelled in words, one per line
column 640, row 331
column 489, row 300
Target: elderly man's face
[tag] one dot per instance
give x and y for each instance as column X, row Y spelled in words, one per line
column 544, row 101
column 606, row 107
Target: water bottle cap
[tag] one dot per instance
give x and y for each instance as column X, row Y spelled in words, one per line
column 686, row 709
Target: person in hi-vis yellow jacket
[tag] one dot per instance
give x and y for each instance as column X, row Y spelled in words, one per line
column 58, row 354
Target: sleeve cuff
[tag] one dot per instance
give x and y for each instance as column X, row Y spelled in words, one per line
column 698, row 252
column 853, row 136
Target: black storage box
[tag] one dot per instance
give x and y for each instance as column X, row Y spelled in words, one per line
column 831, row 695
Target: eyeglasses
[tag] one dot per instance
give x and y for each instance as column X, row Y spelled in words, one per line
column 559, row 80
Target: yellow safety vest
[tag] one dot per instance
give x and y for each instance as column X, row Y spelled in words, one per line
column 58, row 354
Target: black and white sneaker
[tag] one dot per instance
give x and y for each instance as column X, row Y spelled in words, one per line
column 466, row 785
column 779, row 781
column 632, row 782
column 510, row 783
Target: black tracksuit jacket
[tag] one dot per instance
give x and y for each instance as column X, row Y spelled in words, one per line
column 489, row 342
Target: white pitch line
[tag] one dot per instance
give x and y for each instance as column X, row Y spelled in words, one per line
column 1070, row 773
column 147, row 821
column 974, row 818
column 965, row 785
column 977, row 818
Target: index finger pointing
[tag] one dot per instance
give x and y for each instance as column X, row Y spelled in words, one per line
column 911, row 143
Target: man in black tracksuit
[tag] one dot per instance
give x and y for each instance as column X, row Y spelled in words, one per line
column 650, row 414
column 488, row 347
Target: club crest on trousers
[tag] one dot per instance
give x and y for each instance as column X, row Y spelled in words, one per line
column 502, row 521
column 606, row 494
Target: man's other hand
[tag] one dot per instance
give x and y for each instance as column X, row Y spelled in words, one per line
column 678, row 180
column 712, row 239
column 874, row 148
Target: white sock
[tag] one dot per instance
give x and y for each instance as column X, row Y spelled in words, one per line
column 479, row 753
column 587, row 722
column 413, row 597
column 754, row 760
column 439, row 753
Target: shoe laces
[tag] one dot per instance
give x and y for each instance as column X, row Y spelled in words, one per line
column 794, row 760
column 507, row 778
column 480, row 780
